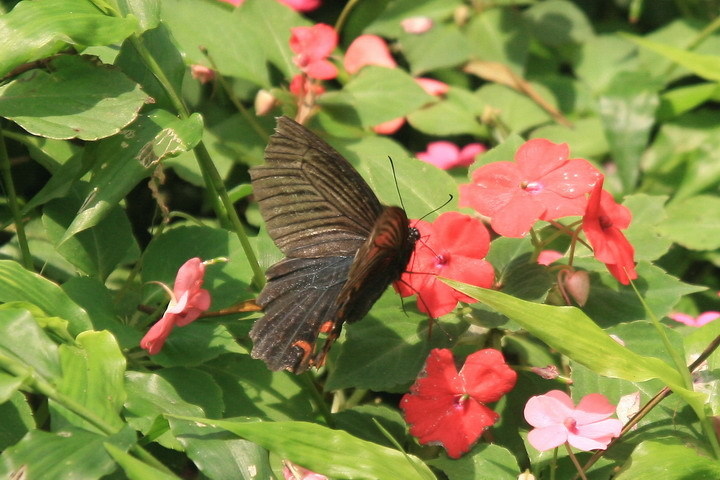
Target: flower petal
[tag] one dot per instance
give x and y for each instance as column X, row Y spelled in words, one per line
column 486, row 376
column 549, row 409
column 547, row 438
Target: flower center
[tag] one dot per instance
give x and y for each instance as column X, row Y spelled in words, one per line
column 605, row 222
column 441, row 260
column 459, row 401
column 531, row 187
column 571, row 425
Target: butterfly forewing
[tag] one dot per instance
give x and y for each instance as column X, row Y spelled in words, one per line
column 313, row 202
column 343, row 248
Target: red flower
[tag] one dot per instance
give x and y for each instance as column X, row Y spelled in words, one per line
column 454, row 247
column 447, row 155
column 302, row 5
column 542, row 184
column 448, row 407
column 368, row 50
column 187, row 302
column 602, row 223
column 313, row 45
column 557, row 420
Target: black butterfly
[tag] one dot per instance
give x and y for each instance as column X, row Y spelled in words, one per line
column 342, row 247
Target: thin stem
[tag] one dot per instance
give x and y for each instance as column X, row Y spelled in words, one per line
column 6, row 173
column 342, row 19
column 307, row 381
column 575, row 461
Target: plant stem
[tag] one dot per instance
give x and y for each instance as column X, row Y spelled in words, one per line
column 342, row 19
column 6, row 173
column 575, row 461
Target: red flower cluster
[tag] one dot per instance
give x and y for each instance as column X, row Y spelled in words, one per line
column 447, row 407
column 312, row 46
column 187, row 302
column 454, row 246
column 542, row 183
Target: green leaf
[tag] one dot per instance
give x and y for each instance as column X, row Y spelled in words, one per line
column 644, row 232
column 500, row 35
column 586, row 137
column 693, row 222
column 255, row 37
column 376, row 95
column 195, row 344
column 457, row 114
column 196, row 387
column 558, row 23
column 627, row 108
column 515, row 110
column 484, row 462
column 17, row 420
column 93, row 372
column 387, row 22
column 361, row 420
column 75, row 99
column 219, row 454
column 704, row 66
column 443, row 46
column 134, row 468
column 147, row 12
column 96, row 251
column 16, row 283
column 32, row 30
column 22, row 339
column 9, row 384
column 126, row 158
column 148, row 397
column 653, row 459
column 387, row 349
column 73, row 453
column 330, row 452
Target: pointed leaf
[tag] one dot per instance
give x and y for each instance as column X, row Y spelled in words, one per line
column 22, row 339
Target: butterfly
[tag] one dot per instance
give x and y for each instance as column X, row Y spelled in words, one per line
column 342, row 247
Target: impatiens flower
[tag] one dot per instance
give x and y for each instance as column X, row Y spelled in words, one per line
column 202, row 73
column 301, row 86
column 416, row 25
column 602, row 223
column 302, row 5
column 296, row 472
column 187, row 302
column 557, row 420
column 453, row 246
column 546, row 257
column 447, row 155
column 368, row 50
column 448, row 408
column 542, row 183
column 313, row 45
column 699, row 321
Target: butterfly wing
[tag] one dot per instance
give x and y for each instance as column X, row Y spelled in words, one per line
column 313, row 201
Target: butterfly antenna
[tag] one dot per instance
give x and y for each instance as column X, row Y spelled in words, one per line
column 397, row 187
column 450, row 199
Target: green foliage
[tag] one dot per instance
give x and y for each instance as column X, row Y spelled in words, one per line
column 116, row 163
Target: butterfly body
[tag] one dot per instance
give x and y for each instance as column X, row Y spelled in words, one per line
column 342, row 247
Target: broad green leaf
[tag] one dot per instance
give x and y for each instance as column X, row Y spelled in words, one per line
column 484, row 462
column 134, row 468
column 376, row 95
column 387, row 22
column 33, row 30
column 627, row 108
column 9, row 384
column 702, row 65
column 16, row 283
column 128, row 157
column 22, row 340
column 147, row 12
column 387, row 349
column 219, row 454
column 668, row 460
column 569, row 331
column 706, row 379
column 96, row 251
column 586, row 137
column 457, row 114
column 500, row 35
column 150, row 396
column 254, row 38
column 600, row 59
column 443, row 46
column 683, row 99
column 97, row 300
column 558, row 23
column 644, row 231
column 197, row 387
column 514, row 109
column 75, row 99
column 249, row 389
column 330, row 452
column 72, row 453
column 195, row 344
column 361, row 420
column 64, row 178
column 693, row 222
column 93, row 372
column 17, row 420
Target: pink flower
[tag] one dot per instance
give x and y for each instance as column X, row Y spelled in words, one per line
column 416, row 25
column 699, row 321
column 542, row 183
column 454, row 246
column 557, row 420
column 313, row 45
column 202, row 73
column 368, row 50
column 187, row 302
column 236, row 3
column 296, row 472
column 302, row 5
column 389, row 127
column 448, row 407
column 602, row 223
column 546, row 257
column 447, row 155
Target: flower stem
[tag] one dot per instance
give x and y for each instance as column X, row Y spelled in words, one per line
column 6, row 173
column 575, row 461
